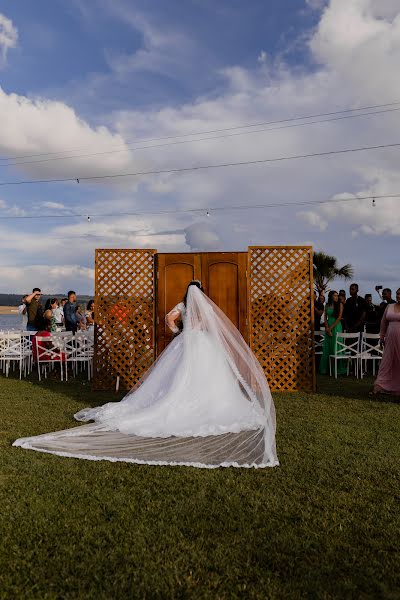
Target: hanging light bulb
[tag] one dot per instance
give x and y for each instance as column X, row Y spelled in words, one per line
column 88, row 218
column 207, row 214
column 373, row 201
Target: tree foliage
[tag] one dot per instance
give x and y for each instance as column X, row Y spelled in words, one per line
column 326, row 269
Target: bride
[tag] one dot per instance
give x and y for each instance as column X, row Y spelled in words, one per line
column 205, row 402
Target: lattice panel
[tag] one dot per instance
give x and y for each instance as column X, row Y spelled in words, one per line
column 125, row 308
column 280, row 315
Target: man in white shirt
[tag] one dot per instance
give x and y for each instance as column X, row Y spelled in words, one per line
column 23, row 312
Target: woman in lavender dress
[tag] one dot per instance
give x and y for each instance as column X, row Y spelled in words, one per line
column 388, row 379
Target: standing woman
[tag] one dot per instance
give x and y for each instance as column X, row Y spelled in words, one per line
column 333, row 326
column 388, row 379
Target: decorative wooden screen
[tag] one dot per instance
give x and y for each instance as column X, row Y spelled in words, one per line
column 280, row 282
column 125, row 308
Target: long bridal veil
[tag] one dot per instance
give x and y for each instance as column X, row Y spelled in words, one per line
column 205, row 402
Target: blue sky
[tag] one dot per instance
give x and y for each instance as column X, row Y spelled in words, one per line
column 63, row 44
column 86, row 77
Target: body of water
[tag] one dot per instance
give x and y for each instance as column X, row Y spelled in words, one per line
column 13, row 321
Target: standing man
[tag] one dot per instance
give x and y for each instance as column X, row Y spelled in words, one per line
column 386, row 300
column 372, row 321
column 355, row 311
column 70, row 318
column 34, row 310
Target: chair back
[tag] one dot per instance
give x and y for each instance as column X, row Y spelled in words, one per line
column 348, row 344
column 48, row 349
column 370, row 346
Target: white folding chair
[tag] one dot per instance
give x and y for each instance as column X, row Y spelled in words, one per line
column 26, row 339
column 11, row 351
column 68, row 339
column 48, row 353
column 370, row 351
column 348, row 349
column 84, row 351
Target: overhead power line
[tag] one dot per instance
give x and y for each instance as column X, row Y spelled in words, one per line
column 210, row 131
column 80, row 178
column 204, row 139
column 205, row 210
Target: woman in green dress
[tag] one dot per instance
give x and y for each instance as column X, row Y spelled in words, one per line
column 333, row 325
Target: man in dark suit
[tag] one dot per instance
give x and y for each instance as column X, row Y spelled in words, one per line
column 355, row 311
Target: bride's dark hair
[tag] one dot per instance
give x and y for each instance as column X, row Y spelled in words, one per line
column 195, row 282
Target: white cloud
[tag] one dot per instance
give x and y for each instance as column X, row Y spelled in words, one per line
column 54, row 279
column 201, row 236
column 54, row 205
column 313, row 219
column 8, row 37
column 40, row 126
column 262, row 57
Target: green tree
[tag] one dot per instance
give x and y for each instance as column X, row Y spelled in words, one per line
column 326, row 270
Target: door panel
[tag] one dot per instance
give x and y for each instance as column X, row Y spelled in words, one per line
column 224, row 280
column 175, row 271
column 223, row 288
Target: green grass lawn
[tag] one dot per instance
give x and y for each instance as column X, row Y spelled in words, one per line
column 325, row 524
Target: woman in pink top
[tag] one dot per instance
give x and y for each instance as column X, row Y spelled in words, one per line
column 388, row 379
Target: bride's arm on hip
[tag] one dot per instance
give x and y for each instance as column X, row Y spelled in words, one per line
column 171, row 318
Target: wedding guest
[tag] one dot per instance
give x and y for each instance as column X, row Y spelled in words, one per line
column 90, row 313
column 58, row 313
column 354, row 312
column 70, row 316
column 44, row 332
column 319, row 305
column 80, row 317
column 63, row 302
column 34, row 310
column 372, row 317
column 22, row 310
column 386, row 300
column 333, row 326
column 388, row 379
column 342, row 299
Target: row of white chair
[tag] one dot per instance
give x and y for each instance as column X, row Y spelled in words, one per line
column 60, row 348
column 356, row 348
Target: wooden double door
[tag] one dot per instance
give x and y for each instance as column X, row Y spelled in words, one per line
column 224, row 279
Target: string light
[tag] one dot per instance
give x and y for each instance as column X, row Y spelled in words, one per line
column 199, row 210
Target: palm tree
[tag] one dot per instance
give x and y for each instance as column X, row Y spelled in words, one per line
column 326, row 270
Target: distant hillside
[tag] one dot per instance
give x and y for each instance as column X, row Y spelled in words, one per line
column 15, row 299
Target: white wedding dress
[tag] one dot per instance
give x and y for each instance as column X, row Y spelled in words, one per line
column 205, row 402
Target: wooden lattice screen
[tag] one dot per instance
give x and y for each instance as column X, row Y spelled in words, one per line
column 280, row 295
column 125, row 308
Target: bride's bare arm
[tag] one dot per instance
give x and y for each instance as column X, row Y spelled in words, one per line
column 171, row 319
